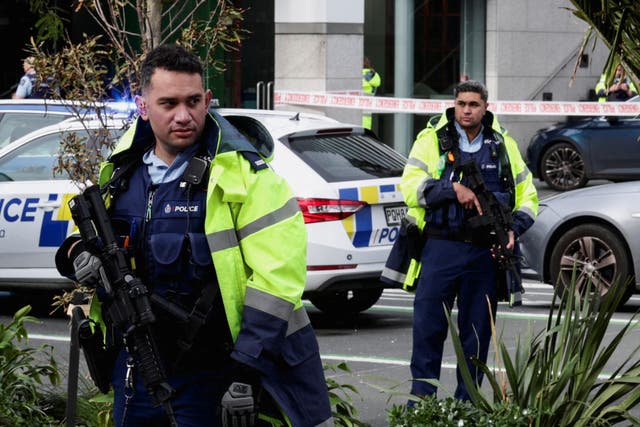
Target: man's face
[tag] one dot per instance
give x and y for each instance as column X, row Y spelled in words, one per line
column 469, row 109
column 175, row 104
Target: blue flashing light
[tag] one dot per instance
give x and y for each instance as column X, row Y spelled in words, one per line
column 126, row 107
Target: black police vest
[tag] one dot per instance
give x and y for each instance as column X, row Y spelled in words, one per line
column 452, row 216
column 40, row 90
column 165, row 229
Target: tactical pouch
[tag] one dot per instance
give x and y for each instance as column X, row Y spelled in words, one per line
column 100, row 360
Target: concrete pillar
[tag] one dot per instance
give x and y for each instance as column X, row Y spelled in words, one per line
column 473, row 29
column 403, row 81
column 319, row 47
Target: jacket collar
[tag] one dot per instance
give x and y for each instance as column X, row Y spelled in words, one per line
column 489, row 121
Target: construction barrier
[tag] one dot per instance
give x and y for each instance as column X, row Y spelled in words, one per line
column 380, row 104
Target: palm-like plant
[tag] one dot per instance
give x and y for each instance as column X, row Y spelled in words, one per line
column 559, row 371
column 617, row 23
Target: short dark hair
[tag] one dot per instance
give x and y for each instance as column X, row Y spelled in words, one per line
column 472, row 86
column 171, row 57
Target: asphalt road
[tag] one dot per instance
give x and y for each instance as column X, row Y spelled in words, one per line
column 376, row 345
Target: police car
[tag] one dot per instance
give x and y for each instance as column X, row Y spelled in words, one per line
column 344, row 178
column 34, row 216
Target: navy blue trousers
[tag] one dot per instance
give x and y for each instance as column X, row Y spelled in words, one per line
column 460, row 272
column 195, row 404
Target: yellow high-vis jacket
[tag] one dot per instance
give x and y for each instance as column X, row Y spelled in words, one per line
column 427, row 163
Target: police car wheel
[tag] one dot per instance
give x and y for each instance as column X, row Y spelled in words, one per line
column 595, row 257
column 346, row 302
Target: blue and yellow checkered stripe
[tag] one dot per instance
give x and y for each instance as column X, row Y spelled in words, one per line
column 54, row 231
column 359, row 226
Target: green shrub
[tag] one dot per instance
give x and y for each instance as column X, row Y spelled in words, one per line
column 451, row 412
column 559, row 371
column 22, row 371
column 93, row 409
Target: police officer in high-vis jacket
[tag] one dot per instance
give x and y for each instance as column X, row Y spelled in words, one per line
column 601, row 88
column 370, row 82
column 229, row 244
column 456, row 263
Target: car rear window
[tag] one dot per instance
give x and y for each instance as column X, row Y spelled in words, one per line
column 348, row 156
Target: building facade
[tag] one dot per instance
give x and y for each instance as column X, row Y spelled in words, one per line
column 522, row 50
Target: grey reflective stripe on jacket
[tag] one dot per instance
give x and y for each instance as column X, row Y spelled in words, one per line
column 288, row 210
column 222, row 240
column 522, row 176
column 268, row 303
column 527, row 211
column 393, row 275
column 229, row 238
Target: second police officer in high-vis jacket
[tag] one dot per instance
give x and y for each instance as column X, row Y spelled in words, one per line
column 455, row 263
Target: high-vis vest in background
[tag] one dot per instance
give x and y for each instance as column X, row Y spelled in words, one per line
column 370, row 83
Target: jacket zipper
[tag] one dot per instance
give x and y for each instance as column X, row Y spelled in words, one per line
column 152, row 192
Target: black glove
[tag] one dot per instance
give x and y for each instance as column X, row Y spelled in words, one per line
column 239, row 407
column 88, row 269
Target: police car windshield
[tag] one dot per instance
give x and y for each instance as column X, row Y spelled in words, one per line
column 348, row 157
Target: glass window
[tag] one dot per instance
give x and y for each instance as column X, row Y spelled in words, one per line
column 35, row 160
column 348, row 157
column 15, row 125
column 31, row 162
column 255, row 132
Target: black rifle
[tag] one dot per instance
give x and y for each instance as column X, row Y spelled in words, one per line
column 127, row 301
column 496, row 221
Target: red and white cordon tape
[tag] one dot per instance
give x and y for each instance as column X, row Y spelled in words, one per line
column 382, row 104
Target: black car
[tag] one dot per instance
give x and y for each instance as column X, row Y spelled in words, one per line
column 567, row 155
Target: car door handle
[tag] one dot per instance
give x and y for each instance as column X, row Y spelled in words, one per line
column 48, row 206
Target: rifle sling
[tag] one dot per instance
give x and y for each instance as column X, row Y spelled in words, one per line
column 193, row 321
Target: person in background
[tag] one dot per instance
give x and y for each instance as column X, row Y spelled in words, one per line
column 29, row 86
column 27, row 81
column 370, row 83
column 213, row 232
column 601, row 88
column 622, row 87
column 456, row 261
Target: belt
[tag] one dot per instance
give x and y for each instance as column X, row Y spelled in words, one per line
column 454, row 235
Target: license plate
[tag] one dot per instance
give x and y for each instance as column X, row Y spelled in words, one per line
column 394, row 214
